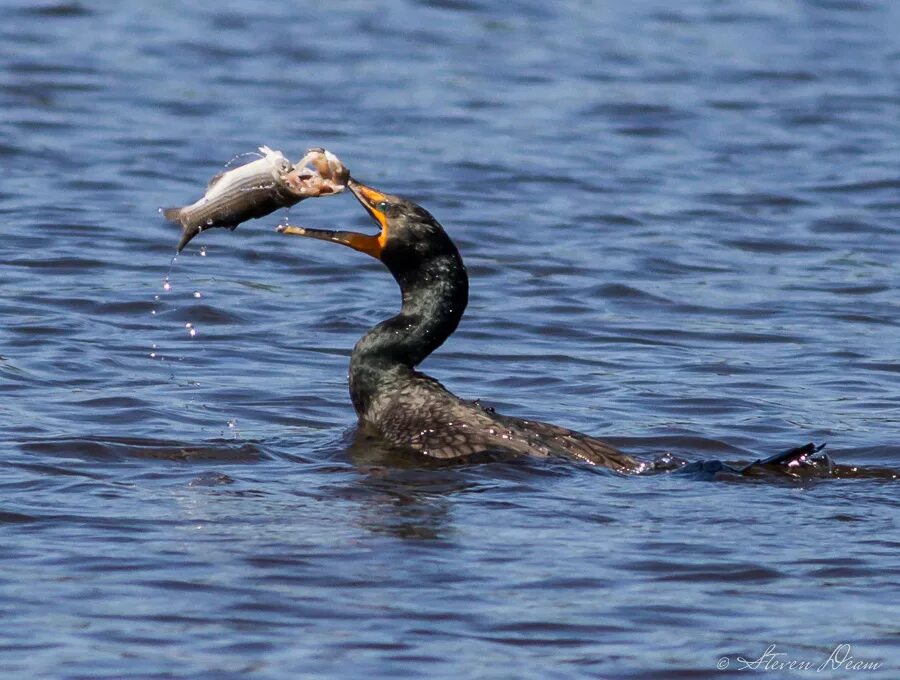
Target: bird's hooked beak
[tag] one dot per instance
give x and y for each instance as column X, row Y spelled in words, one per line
column 370, row 199
column 365, row 243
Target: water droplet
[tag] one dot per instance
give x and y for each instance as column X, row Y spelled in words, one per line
column 152, row 355
column 153, row 312
column 202, row 251
column 167, row 285
column 198, row 294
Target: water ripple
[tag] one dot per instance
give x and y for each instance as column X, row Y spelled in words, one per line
column 680, row 226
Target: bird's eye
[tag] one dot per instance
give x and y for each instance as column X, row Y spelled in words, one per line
column 383, row 206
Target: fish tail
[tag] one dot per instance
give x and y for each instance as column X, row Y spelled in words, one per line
column 795, row 456
column 186, row 235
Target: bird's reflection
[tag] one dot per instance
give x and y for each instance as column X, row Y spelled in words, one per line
column 403, row 493
column 407, row 495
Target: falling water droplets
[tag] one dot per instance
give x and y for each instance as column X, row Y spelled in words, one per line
column 169, row 270
column 198, row 294
column 190, row 329
column 242, row 158
column 202, row 251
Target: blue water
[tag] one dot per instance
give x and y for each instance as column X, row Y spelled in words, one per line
column 680, row 224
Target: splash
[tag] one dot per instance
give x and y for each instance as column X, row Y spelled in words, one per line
column 241, row 156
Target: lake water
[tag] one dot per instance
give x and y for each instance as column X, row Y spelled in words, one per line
column 680, row 224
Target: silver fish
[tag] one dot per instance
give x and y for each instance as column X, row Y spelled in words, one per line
column 258, row 189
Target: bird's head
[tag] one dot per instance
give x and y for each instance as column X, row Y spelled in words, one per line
column 408, row 234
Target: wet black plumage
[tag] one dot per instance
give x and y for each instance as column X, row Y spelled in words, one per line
column 406, row 407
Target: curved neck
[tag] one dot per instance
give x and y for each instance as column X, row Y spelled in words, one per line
column 434, row 293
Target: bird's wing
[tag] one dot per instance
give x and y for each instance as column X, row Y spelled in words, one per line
column 425, row 416
column 572, row 444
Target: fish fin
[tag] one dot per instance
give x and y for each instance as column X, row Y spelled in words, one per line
column 271, row 153
column 275, row 156
column 172, row 214
column 214, row 180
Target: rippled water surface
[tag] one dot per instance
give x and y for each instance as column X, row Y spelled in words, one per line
column 680, row 223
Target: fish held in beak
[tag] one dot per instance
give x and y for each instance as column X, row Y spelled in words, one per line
column 259, row 188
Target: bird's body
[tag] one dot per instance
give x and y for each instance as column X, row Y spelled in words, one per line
column 414, row 412
column 406, row 407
